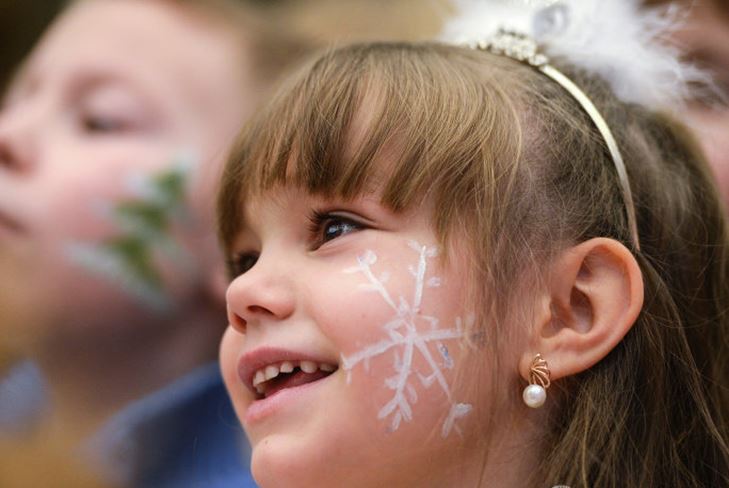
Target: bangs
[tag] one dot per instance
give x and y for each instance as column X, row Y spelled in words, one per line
column 377, row 117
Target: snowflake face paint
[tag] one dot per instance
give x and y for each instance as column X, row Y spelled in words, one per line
column 345, row 342
column 406, row 338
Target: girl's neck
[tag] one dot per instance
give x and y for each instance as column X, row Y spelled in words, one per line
column 512, row 458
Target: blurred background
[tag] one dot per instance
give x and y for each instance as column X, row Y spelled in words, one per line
column 21, row 23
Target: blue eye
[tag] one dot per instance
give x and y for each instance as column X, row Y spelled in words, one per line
column 325, row 227
column 337, row 228
column 241, row 263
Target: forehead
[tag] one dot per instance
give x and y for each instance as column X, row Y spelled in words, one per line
column 151, row 40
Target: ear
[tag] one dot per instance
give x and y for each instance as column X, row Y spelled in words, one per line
column 593, row 297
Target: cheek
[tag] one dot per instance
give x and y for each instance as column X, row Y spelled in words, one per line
column 83, row 213
column 399, row 330
column 712, row 129
column 78, row 194
column 102, row 227
column 230, row 351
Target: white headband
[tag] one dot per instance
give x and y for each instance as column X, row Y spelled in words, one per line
column 614, row 39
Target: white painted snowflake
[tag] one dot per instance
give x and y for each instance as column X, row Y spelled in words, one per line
column 405, row 340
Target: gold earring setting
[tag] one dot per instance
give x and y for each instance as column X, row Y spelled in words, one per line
column 535, row 394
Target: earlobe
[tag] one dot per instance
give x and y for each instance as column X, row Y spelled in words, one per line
column 593, row 297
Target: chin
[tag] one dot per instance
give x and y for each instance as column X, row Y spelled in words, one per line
column 287, row 461
column 295, row 459
column 277, row 462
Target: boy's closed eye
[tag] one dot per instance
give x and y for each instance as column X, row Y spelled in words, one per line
column 109, row 108
column 104, row 124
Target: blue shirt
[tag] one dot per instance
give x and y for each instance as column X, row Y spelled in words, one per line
column 23, row 399
column 183, row 436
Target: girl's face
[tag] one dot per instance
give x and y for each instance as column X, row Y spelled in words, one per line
column 115, row 97
column 345, row 344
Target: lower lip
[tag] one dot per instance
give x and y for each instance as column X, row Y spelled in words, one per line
column 265, row 407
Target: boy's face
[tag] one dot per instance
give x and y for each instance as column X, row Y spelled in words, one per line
column 706, row 39
column 116, row 96
column 345, row 348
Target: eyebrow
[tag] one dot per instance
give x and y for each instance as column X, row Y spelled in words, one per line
column 88, row 79
column 82, row 78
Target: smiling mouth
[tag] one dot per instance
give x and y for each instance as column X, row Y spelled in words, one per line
column 273, row 378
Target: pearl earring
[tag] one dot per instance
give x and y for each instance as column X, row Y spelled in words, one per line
column 536, row 393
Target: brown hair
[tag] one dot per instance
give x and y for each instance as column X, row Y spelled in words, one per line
column 511, row 164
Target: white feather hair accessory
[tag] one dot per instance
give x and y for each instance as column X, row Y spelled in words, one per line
column 617, row 40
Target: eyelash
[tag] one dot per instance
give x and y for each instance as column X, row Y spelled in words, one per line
column 318, row 224
column 104, row 124
column 238, row 264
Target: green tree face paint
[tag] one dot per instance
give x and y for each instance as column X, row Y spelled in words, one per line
column 132, row 258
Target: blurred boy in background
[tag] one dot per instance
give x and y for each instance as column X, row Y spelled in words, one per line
column 704, row 36
column 111, row 138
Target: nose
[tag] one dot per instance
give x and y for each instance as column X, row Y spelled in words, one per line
column 18, row 136
column 263, row 294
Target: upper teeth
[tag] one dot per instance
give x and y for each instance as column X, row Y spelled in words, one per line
column 273, row 370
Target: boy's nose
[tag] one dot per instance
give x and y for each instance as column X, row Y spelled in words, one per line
column 16, row 142
column 259, row 296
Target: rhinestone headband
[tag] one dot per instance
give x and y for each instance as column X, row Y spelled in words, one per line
column 524, row 49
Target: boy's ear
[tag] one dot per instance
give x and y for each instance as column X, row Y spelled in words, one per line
column 593, row 297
